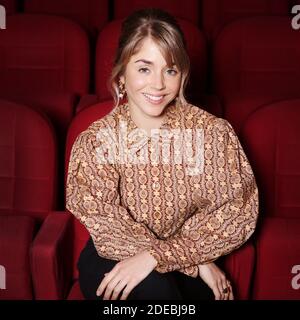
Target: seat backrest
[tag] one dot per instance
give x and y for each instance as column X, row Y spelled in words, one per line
column 80, row 123
column 196, row 47
column 27, row 162
column 271, row 136
column 248, row 58
column 10, row 6
column 188, row 10
column 41, row 53
column 90, row 14
column 218, row 13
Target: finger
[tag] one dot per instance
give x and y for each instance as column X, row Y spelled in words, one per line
column 119, row 287
column 220, row 288
column 111, row 287
column 130, row 286
column 231, row 297
column 216, row 292
column 104, row 282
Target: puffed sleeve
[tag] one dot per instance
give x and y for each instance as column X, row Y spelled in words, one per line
column 229, row 213
column 92, row 196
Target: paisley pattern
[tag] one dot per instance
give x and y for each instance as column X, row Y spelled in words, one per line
column 182, row 219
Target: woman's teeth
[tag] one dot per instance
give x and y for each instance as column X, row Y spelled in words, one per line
column 155, row 99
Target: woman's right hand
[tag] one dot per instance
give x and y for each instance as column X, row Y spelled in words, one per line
column 215, row 278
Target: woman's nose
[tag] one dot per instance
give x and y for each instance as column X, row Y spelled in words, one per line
column 158, row 81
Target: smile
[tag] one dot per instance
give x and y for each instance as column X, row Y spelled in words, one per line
column 153, row 99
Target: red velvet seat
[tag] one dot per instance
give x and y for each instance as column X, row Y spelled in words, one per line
column 27, row 190
column 63, row 233
column 218, row 13
column 188, row 10
column 45, row 64
column 92, row 15
column 250, row 63
column 10, row 6
column 272, row 139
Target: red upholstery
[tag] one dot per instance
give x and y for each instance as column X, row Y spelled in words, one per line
column 28, row 162
column 188, row 10
column 27, row 190
column 9, row 5
column 272, row 137
column 196, row 47
column 41, row 57
column 278, row 250
column 248, row 58
column 16, row 234
column 90, row 14
column 55, row 235
column 217, row 13
column 250, row 63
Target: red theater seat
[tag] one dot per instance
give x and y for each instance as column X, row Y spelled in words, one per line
column 272, row 139
column 250, row 63
column 90, row 14
column 41, row 57
column 217, row 13
column 188, row 10
column 57, row 246
column 10, row 6
column 27, row 190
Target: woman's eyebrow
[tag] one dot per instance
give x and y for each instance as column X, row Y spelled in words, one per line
column 148, row 62
column 144, row 61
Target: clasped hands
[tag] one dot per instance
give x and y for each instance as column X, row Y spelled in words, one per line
column 128, row 273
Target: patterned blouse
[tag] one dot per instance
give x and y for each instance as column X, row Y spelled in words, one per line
column 184, row 214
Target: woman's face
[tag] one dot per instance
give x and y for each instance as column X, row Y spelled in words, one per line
column 150, row 84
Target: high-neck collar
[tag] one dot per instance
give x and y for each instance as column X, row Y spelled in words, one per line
column 171, row 115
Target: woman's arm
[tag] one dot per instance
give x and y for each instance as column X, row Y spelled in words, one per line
column 92, row 196
column 229, row 187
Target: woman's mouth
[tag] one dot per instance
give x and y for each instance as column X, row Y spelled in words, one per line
column 154, row 99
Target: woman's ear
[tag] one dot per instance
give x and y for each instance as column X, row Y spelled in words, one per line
column 122, row 79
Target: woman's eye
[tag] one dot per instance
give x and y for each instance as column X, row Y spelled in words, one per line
column 172, row 72
column 143, row 70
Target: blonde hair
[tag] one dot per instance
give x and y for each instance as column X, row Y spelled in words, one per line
column 164, row 30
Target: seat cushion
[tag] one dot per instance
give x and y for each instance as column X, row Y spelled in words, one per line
column 16, row 234
column 278, row 251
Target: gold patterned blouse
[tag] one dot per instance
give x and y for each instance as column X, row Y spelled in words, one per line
column 191, row 201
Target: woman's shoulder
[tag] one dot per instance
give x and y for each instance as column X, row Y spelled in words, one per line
column 198, row 117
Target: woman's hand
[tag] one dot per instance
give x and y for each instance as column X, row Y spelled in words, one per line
column 215, row 278
column 126, row 275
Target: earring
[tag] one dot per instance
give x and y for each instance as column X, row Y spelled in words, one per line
column 121, row 89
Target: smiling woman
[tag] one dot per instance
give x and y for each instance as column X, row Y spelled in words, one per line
column 155, row 229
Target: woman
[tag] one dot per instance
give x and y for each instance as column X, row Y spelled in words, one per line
column 158, row 222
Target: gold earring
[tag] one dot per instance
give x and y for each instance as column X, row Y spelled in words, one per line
column 121, row 89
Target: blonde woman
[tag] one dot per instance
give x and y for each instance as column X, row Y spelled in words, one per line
column 159, row 217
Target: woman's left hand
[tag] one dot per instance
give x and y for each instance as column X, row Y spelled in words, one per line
column 126, row 274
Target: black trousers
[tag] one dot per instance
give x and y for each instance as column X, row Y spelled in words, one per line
column 156, row 286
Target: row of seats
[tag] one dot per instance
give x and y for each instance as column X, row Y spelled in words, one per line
column 210, row 15
column 40, row 247
column 46, row 61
